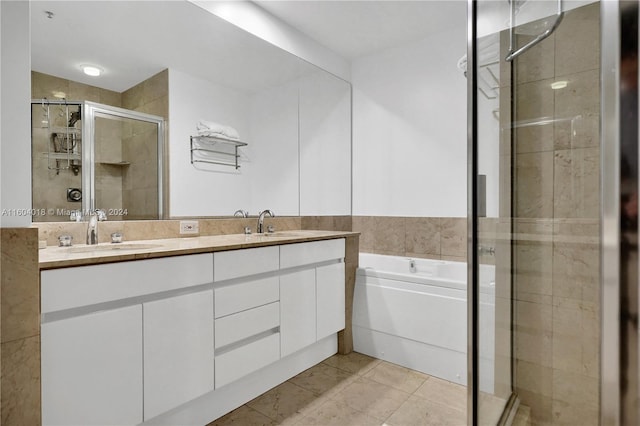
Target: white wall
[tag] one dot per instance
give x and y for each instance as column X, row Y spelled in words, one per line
column 325, row 145
column 260, row 23
column 210, row 190
column 274, row 149
column 15, row 136
column 409, row 129
column 267, row 121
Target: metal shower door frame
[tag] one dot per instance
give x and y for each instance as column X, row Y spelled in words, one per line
column 89, row 111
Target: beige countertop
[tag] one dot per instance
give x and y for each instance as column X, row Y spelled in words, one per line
column 81, row 254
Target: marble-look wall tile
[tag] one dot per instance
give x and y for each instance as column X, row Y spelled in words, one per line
column 539, row 62
column 327, row 223
column 576, row 269
column 577, row 44
column 534, row 327
column 575, row 398
column 352, row 251
column 535, row 185
column 156, row 229
column 577, row 182
column 20, row 383
column 453, row 236
column 389, row 236
column 366, row 227
column 535, row 378
column 534, row 103
column 578, row 105
column 422, row 236
column 533, row 268
column 20, row 288
column 540, row 405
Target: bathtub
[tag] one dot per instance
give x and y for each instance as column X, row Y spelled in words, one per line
column 413, row 312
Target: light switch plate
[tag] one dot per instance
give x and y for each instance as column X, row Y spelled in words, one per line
column 189, row 227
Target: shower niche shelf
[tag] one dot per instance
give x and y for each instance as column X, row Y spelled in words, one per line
column 114, row 163
column 216, row 150
column 62, row 156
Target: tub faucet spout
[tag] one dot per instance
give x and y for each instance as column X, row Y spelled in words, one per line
column 261, row 219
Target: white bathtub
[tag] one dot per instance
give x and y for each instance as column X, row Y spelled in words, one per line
column 413, row 312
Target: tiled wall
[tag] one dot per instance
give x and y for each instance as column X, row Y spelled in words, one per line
column 20, row 388
column 50, row 186
column 556, row 257
column 156, row 229
column 426, row 237
column 133, row 186
column 139, row 146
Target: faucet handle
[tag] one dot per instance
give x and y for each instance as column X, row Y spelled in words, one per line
column 102, row 215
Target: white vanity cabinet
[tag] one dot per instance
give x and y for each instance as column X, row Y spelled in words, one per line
column 312, row 294
column 178, row 350
column 298, row 310
column 169, row 340
column 123, row 339
column 247, row 312
column 92, row 369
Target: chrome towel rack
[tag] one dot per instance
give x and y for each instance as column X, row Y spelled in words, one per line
column 207, row 145
column 515, row 53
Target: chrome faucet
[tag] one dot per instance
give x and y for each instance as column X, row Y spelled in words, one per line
column 241, row 213
column 92, row 225
column 261, row 219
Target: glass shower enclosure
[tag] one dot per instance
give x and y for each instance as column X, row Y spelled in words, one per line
column 88, row 156
column 553, row 206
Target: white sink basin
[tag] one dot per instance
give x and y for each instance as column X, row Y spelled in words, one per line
column 111, row 247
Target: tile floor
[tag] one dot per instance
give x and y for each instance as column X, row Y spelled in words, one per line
column 355, row 390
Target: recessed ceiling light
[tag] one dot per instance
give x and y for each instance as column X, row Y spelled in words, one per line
column 91, row 70
column 559, row 84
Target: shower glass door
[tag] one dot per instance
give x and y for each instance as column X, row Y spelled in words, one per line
column 126, row 155
column 535, row 211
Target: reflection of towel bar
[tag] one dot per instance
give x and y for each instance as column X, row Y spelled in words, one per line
column 196, row 147
column 222, row 163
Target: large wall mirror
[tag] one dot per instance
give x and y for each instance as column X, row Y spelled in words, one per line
column 248, row 126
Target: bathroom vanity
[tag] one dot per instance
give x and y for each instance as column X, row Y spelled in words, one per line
column 182, row 331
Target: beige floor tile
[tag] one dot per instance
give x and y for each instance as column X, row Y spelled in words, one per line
column 323, row 379
column 398, row 377
column 334, row 412
column 243, row 416
column 286, row 401
column 446, row 393
column 419, row 411
column 372, row 398
column 354, row 362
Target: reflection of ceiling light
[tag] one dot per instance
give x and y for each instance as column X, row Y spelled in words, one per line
column 59, row 95
column 559, row 84
column 91, row 70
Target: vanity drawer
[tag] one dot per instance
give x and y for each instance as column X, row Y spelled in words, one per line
column 242, row 263
column 246, row 295
column 313, row 252
column 239, row 362
column 86, row 285
column 236, row 327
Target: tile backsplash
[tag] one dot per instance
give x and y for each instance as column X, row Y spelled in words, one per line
column 425, row 237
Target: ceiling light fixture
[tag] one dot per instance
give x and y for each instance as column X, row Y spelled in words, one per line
column 559, row 84
column 91, row 70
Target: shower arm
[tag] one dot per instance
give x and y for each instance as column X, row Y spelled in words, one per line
column 514, row 54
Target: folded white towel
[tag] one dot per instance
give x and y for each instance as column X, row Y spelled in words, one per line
column 210, row 128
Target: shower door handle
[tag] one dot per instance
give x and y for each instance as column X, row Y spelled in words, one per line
column 515, row 53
